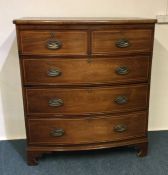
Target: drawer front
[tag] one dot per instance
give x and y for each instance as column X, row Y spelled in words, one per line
column 53, row 42
column 119, row 42
column 87, row 130
column 78, row 71
column 86, row 100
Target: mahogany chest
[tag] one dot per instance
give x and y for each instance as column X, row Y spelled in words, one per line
column 85, row 83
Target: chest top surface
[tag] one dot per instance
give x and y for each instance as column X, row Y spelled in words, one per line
column 82, row 20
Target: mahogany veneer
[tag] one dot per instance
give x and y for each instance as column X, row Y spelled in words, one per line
column 79, row 71
column 85, row 83
column 86, row 100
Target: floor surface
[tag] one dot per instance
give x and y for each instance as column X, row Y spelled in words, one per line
column 120, row 161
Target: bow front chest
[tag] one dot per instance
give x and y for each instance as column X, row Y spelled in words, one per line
column 85, row 83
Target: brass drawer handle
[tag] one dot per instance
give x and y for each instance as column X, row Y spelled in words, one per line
column 57, row 132
column 54, row 72
column 123, row 70
column 55, row 102
column 122, row 43
column 120, row 128
column 54, row 44
column 121, row 100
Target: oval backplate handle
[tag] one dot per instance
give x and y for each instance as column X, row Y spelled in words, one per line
column 122, row 70
column 53, row 44
column 55, row 102
column 57, row 132
column 120, row 128
column 121, row 100
column 54, row 72
column 122, row 43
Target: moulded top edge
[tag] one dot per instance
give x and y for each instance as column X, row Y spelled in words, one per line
column 82, row 20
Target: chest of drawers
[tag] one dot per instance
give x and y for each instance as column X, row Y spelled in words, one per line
column 85, row 83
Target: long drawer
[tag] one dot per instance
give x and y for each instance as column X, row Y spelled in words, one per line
column 87, row 130
column 122, row 41
column 61, row 71
column 50, row 42
column 86, row 100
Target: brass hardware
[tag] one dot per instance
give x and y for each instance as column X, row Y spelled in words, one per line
column 120, row 128
column 121, row 100
column 55, row 102
column 122, row 43
column 53, row 43
column 57, row 132
column 54, row 72
column 123, row 70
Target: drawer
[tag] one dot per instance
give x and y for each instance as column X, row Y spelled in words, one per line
column 45, row 42
column 87, row 130
column 122, row 41
column 86, row 100
column 61, row 71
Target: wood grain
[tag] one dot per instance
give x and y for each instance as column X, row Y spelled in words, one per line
column 103, row 42
column 86, row 100
column 81, row 71
column 34, row 42
column 87, row 130
column 82, row 20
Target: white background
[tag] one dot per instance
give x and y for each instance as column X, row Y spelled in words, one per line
column 11, row 108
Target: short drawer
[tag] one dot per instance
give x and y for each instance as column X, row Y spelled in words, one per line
column 87, row 130
column 44, row 42
column 61, row 71
column 86, row 100
column 122, row 41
